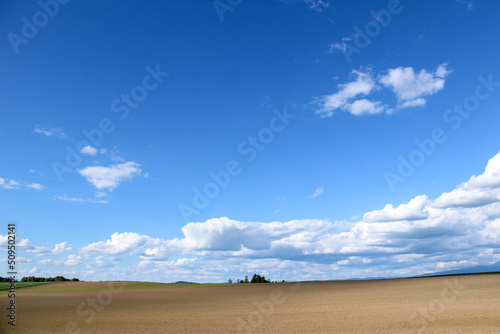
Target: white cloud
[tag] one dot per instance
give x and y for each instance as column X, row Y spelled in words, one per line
column 363, row 85
column 7, row 183
column 62, row 247
column 40, row 250
column 412, row 238
column 419, row 102
column 21, row 243
column 89, row 150
column 73, row 260
column 58, row 249
column 490, row 178
column 456, row 264
column 78, row 199
column 35, row 186
column 118, row 244
column 316, row 5
column 104, row 262
column 479, row 190
column 463, row 197
column 364, row 106
column 49, row 132
column 413, row 210
column 70, row 260
column 342, row 46
column 410, row 87
column 317, row 192
column 110, row 177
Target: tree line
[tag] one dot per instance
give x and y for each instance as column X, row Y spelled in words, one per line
column 42, row 279
column 255, row 279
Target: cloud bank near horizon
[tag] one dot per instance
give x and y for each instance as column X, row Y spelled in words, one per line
column 460, row 228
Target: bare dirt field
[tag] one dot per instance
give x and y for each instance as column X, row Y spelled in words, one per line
column 460, row 304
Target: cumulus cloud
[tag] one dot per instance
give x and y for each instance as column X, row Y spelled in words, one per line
column 490, row 178
column 89, row 150
column 119, row 243
column 110, row 177
column 416, row 237
column 317, row 192
column 478, row 191
column 49, row 132
column 410, row 87
column 62, row 247
column 413, row 210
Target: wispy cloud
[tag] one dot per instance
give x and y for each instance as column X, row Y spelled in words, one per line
column 7, row 183
column 58, row 249
column 361, row 86
column 79, row 199
column 35, row 186
column 341, row 46
column 316, row 5
column 317, row 192
column 70, row 260
column 49, row 131
column 469, row 5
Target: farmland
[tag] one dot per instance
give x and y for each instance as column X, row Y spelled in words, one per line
column 19, row 285
column 465, row 304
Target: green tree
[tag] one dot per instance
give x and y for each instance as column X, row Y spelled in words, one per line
column 259, row 279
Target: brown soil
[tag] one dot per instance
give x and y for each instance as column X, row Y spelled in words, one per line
column 463, row 304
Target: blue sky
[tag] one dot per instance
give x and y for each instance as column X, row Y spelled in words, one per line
column 210, row 140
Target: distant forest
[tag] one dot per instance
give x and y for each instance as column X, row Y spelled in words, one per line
column 42, row 279
column 255, row 279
